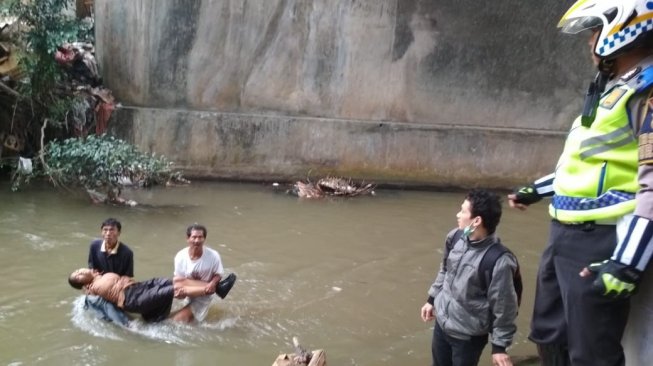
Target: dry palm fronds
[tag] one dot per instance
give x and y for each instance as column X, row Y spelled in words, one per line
column 332, row 186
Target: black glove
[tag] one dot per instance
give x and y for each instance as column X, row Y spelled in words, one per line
column 527, row 195
column 614, row 279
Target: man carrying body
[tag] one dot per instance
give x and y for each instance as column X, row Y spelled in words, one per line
column 200, row 263
column 465, row 310
column 152, row 298
column 602, row 205
column 109, row 255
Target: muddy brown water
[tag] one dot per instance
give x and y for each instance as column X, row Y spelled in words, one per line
column 346, row 275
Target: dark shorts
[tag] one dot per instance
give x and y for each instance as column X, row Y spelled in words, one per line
column 152, row 299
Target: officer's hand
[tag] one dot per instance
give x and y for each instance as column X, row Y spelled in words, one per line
column 512, row 203
column 523, row 197
column 613, row 279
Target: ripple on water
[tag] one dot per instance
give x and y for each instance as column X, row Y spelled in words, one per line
column 211, row 329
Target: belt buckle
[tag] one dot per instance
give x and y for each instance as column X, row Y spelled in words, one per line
column 588, row 225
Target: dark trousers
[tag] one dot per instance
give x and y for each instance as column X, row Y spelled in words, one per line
column 567, row 312
column 448, row 351
column 151, row 298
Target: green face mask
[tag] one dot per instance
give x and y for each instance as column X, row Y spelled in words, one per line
column 468, row 230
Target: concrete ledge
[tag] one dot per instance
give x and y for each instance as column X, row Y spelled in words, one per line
column 273, row 147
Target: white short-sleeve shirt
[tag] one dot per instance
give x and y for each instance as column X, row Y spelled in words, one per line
column 201, row 269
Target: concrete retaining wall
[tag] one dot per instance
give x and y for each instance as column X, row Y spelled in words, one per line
column 440, row 77
column 263, row 147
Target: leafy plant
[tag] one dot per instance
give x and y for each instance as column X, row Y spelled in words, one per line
column 48, row 24
column 105, row 163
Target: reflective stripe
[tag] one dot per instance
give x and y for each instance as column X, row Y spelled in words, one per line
column 544, row 185
column 646, row 257
column 607, row 147
column 634, row 247
column 606, row 138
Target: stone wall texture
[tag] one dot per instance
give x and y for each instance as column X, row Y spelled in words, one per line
column 409, row 92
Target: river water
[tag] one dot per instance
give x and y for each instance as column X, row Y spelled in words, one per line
column 347, row 275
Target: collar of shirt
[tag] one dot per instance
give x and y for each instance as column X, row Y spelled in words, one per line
column 481, row 243
column 113, row 251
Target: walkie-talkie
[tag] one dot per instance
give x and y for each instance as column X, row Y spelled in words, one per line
column 592, row 98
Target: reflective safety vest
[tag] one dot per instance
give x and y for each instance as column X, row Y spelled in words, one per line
column 596, row 175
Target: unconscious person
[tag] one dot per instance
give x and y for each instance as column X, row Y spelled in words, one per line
column 151, row 298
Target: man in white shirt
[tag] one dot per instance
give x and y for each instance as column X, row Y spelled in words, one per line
column 201, row 263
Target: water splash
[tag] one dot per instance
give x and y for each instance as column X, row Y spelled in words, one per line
column 167, row 331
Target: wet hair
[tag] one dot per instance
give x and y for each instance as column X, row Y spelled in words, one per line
column 487, row 205
column 111, row 222
column 195, row 226
column 76, row 284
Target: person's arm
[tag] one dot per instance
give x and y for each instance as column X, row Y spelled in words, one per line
column 129, row 264
column 210, row 287
column 217, row 274
column 91, row 256
column 619, row 276
column 527, row 195
column 179, row 274
column 427, row 309
column 502, row 299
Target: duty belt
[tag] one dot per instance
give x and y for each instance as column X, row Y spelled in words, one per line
column 588, row 225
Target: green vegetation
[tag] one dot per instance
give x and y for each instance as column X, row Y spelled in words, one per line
column 43, row 26
column 106, row 164
column 40, row 110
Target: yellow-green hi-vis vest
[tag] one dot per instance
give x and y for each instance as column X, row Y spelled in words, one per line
column 596, row 175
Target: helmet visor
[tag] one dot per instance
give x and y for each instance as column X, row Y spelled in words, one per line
column 577, row 25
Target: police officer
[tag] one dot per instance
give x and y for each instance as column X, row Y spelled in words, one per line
column 602, row 194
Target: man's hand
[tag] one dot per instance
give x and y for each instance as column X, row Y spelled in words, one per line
column 210, row 287
column 613, row 279
column 501, row 359
column 180, row 293
column 427, row 312
column 512, row 202
column 523, row 197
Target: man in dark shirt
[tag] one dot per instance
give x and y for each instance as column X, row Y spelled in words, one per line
column 109, row 255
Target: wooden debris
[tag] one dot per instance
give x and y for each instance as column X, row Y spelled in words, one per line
column 331, row 186
column 301, row 357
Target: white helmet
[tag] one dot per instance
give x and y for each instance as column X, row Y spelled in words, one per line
column 623, row 23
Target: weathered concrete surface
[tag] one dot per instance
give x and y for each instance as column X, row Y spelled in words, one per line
column 439, row 65
column 262, row 147
column 498, row 64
